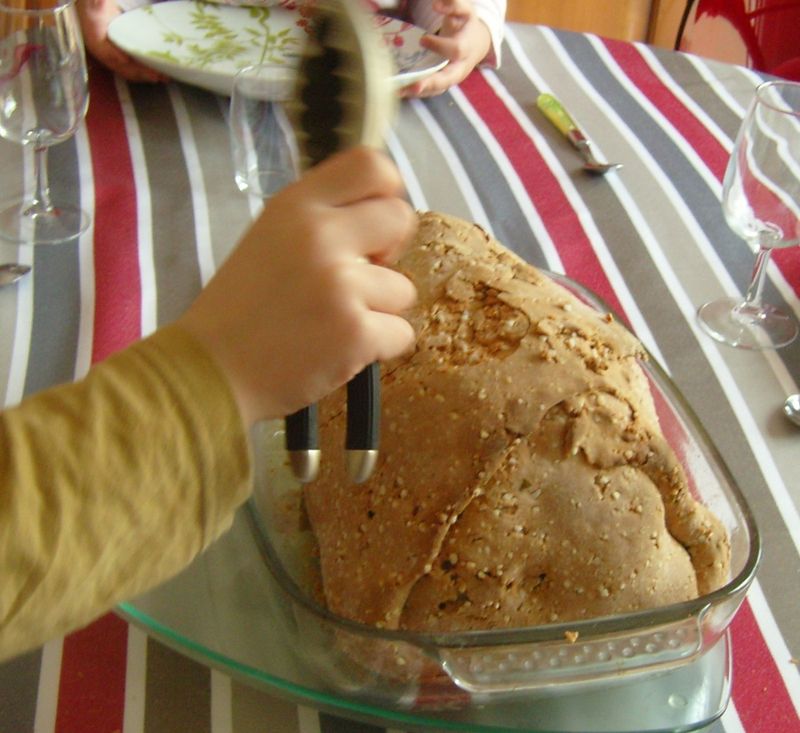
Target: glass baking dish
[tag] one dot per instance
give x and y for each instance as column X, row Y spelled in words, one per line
column 455, row 670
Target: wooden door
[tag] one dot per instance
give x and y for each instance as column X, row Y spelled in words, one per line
column 625, row 19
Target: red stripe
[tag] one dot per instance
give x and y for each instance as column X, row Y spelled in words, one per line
column 759, row 692
column 788, row 261
column 629, row 58
column 91, row 694
column 760, row 695
column 548, row 198
column 118, row 294
column 714, row 156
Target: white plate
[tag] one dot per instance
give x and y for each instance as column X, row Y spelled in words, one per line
column 204, row 44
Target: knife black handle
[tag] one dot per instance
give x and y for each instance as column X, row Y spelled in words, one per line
column 302, row 443
column 363, row 422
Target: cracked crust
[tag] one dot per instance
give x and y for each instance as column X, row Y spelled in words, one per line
column 523, row 476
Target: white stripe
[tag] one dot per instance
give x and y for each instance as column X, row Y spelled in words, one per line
column 47, row 691
column 83, row 356
column 686, row 216
column 710, row 349
column 711, row 352
column 711, row 256
column 18, row 366
column 459, row 175
column 255, row 204
column 200, row 208
column 754, row 168
column 774, row 273
column 761, row 452
column 413, row 188
column 221, row 703
column 730, row 720
column 775, row 643
column 307, row 720
column 135, row 679
column 530, row 71
column 531, row 215
column 629, row 305
column 655, row 114
column 645, row 157
column 721, row 91
column 713, row 128
column 144, row 213
column 698, row 112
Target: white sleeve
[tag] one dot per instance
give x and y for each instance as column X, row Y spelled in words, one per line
column 491, row 12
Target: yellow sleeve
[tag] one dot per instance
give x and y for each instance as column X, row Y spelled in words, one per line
column 113, row 484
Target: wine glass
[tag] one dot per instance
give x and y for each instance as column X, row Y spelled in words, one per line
column 761, row 202
column 43, row 99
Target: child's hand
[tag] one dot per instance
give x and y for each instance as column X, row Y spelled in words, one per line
column 463, row 39
column 95, row 17
column 305, row 302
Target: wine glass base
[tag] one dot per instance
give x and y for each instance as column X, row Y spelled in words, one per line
column 764, row 328
column 21, row 223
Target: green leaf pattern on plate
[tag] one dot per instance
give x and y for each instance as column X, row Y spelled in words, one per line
column 215, row 41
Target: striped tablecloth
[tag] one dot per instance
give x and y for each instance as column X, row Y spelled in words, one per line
column 152, row 163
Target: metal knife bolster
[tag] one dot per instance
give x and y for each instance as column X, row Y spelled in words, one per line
column 302, row 443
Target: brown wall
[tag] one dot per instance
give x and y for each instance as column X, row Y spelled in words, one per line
column 631, row 20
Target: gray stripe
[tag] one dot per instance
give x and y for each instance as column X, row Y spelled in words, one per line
column 332, row 724
column 508, row 222
column 176, row 268
column 21, row 675
column 8, row 324
column 230, row 209
column 252, row 708
column 10, row 160
column 691, row 371
column 688, row 78
column 608, row 213
column 694, row 376
column 56, row 286
column 699, row 199
column 177, row 692
column 441, row 190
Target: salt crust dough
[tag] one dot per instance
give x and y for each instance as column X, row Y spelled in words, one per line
column 523, row 477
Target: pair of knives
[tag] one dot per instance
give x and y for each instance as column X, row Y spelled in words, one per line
column 362, row 437
column 343, row 98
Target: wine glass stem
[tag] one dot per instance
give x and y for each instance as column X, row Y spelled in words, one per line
column 41, row 196
column 752, row 298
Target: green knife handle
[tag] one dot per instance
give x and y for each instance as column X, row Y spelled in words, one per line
column 552, row 109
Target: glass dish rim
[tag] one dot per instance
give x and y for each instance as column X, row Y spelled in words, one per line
column 300, row 692
column 586, row 628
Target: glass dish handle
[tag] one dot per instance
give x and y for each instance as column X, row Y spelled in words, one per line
column 516, row 667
